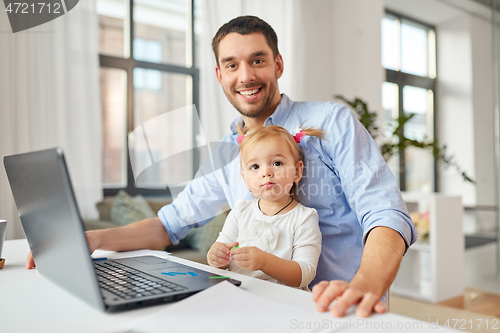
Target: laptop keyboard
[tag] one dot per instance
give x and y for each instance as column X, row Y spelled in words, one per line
column 129, row 283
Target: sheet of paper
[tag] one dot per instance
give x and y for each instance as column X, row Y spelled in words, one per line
column 227, row 308
column 128, row 254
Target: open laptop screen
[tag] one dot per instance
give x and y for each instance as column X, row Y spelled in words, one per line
column 42, row 190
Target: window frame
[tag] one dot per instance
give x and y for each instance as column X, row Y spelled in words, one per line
column 128, row 64
column 405, row 79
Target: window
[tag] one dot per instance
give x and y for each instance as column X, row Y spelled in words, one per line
column 147, row 50
column 147, row 70
column 409, row 58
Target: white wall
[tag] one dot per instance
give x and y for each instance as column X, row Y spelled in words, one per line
column 482, row 102
column 465, row 106
column 340, row 51
column 356, row 52
column 455, row 125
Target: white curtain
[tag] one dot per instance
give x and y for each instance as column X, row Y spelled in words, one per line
column 49, row 96
column 285, row 18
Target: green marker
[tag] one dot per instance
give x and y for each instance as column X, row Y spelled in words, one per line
column 218, row 277
column 236, row 247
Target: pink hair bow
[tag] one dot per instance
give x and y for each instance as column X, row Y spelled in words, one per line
column 240, row 138
column 298, row 137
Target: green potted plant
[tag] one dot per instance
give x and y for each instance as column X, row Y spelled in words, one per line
column 398, row 141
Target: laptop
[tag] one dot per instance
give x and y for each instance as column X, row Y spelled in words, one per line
column 44, row 196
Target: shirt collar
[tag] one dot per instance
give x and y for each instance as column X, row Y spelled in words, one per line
column 277, row 118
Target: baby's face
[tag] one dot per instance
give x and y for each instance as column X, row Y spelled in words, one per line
column 269, row 170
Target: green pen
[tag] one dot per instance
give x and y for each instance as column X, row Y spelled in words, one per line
column 218, row 277
column 236, row 247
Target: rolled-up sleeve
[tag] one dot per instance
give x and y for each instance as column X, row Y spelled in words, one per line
column 195, row 206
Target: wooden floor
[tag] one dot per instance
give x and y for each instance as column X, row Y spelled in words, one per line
column 475, row 310
column 477, row 301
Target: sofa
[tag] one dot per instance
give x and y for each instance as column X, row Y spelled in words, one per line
column 124, row 209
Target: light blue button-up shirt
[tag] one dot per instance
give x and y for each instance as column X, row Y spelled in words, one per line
column 345, row 179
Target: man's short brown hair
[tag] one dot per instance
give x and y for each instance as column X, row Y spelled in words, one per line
column 245, row 25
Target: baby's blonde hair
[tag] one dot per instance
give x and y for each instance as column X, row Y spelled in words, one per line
column 258, row 134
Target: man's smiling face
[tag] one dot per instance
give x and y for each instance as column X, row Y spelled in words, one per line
column 248, row 72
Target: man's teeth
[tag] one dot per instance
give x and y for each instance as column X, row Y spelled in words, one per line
column 249, row 93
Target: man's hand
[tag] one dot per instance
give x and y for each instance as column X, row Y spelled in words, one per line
column 30, row 263
column 250, row 257
column 382, row 255
column 92, row 239
column 219, row 254
column 324, row 293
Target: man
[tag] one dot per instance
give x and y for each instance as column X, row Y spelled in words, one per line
column 363, row 219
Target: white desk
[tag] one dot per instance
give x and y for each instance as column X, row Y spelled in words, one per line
column 31, row 303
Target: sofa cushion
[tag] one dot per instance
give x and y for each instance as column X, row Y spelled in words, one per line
column 104, row 208
column 199, row 239
column 157, row 203
column 126, row 209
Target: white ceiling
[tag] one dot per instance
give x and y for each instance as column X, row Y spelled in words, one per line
column 436, row 12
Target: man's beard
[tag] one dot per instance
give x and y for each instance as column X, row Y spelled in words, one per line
column 262, row 110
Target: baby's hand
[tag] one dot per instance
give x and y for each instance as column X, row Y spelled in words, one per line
column 251, row 258
column 219, row 254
